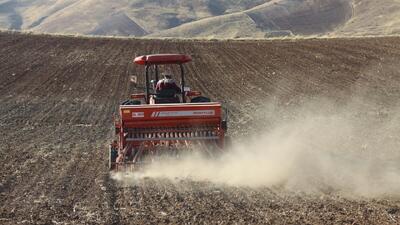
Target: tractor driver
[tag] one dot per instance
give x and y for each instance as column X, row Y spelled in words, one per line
column 167, row 83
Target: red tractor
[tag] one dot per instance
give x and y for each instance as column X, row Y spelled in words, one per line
column 158, row 122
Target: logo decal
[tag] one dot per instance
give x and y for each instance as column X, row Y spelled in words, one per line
column 137, row 114
column 183, row 113
column 155, row 114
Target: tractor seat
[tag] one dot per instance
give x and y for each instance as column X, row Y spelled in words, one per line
column 166, row 93
column 166, row 96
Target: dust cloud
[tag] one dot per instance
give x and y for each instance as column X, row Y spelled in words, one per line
column 320, row 147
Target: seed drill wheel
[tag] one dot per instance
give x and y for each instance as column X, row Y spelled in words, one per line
column 111, row 158
column 110, row 167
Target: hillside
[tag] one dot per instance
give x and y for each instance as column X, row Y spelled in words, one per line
column 274, row 18
column 204, row 18
column 372, row 18
column 88, row 16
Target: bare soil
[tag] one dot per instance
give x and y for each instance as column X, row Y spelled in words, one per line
column 58, row 95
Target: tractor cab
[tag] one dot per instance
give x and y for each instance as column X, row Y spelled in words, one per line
column 160, row 90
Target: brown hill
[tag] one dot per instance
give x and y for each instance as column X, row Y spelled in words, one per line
column 204, row 18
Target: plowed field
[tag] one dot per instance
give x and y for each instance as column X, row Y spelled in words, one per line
column 58, row 95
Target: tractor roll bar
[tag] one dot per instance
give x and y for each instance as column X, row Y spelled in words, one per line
column 147, row 69
column 182, row 83
column 160, row 59
column 147, row 84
